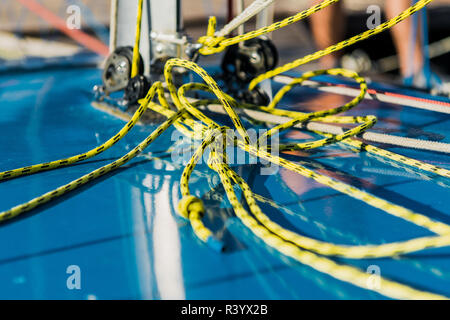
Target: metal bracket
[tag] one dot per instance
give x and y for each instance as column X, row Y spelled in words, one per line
column 161, row 30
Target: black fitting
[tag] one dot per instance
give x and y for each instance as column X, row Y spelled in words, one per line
column 256, row 96
column 136, row 89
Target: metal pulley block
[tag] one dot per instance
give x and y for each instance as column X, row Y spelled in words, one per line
column 257, row 97
column 250, row 59
column 117, row 70
column 136, row 89
column 165, row 47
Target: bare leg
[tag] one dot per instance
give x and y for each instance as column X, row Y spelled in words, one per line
column 328, row 29
column 401, row 34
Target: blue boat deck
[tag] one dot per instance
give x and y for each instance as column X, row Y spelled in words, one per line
column 124, row 234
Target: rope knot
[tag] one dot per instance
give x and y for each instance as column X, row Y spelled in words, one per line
column 190, row 204
column 210, row 42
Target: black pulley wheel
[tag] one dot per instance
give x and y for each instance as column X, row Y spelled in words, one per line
column 247, row 61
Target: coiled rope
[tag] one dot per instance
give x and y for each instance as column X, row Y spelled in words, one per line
column 306, row 250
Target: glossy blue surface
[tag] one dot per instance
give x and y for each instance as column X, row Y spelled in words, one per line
column 122, row 230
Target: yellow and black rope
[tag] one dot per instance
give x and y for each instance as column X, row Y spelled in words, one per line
column 306, row 250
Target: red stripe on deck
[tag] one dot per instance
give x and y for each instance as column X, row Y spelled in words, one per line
column 398, row 95
column 392, row 94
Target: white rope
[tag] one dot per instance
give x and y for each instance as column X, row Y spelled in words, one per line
column 386, row 138
column 328, row 128
column 253, row 9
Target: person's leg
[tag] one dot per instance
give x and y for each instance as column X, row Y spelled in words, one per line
column 401, row 34
column 328, row 29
